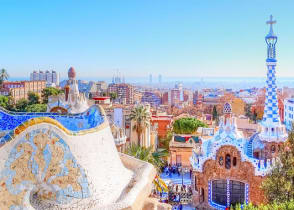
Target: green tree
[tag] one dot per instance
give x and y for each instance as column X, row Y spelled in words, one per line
column 254, row 116
column 279, row 185
column 215, row 115
column 187, row 125
column 164, row 142
column 113, row 96
column 21, row 105
column 141, row 117
column 33, row 98
column 247, row 111
column 156, row 158
column 3, row 76
column 50, row 91
column 274, row 206
column 4, row 102
column 36, row 108
column 11, row 104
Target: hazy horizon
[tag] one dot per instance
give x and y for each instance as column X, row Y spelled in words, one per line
column 193, row 83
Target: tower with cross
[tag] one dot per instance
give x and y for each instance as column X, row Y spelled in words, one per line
column 271, row 40
column 272, row 129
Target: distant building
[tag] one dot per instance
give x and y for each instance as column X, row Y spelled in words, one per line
column 50, row 77
column 163, row 122
column 102, row 100
column 125, row 92
column 159, row 78
column 20, row 90
column 118, row 78
column 195, row 97
column 289, row 112
column 150, row 78
column 151, row 98
column 179, row 86
column 166, row 98
column 175, row 96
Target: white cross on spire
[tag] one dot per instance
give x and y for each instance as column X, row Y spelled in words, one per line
column 271, row 21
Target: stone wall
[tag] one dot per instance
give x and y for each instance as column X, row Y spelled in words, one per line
column 243, row 172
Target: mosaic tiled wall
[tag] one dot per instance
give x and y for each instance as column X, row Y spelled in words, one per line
column 12, row 121
column 74, row 122
column 32, row 166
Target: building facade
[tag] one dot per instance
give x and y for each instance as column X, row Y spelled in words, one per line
column 228, row 169
column 152, row 98
column 125, row 92
column 289, row 113
column 50, row 77
column 20, row 90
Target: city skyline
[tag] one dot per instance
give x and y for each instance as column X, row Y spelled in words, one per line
column 174, row 39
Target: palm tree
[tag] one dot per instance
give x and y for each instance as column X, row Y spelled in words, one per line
column 157, row 159
column 3, row 76
column 141, row 117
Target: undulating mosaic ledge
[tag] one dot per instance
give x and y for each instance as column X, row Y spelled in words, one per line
column 88, row 122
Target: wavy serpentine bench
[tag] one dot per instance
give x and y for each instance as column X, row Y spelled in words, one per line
column 51, row 161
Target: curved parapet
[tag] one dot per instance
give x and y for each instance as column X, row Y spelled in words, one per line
column 45, row 164
column 12, row 123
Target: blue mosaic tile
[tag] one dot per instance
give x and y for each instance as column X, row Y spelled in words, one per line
column 77, row 122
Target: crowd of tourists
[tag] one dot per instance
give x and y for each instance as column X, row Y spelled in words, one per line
column 179, row 193
column 174, row 169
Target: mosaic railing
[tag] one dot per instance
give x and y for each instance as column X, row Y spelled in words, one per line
column 12, row 123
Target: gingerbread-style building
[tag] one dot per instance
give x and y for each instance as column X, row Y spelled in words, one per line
column 228, row 168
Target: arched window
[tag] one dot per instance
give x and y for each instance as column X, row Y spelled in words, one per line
column 234, row 161
column 273, row 149
column 202, row 195
column 221, row 161
column 195, row 183
column 228, row 161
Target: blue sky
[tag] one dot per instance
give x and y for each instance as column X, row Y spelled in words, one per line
column 174, row 38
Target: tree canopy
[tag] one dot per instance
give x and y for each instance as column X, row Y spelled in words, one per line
column 4, row 102
column 21, row 105
column 33, row 98
column 36, row 108
column 274, row 206
column 187, row 125
column 141, row 116
column 113, row 95
column 3, row 76
column 156, row 158
column 49, row 91
column 279, row 185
